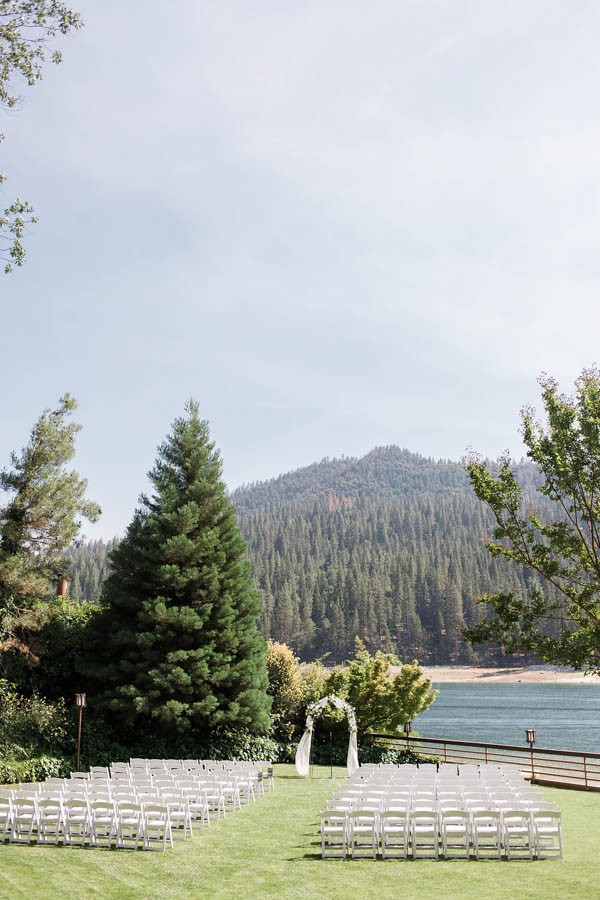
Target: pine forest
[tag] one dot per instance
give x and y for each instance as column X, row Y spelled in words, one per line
column 389, row 548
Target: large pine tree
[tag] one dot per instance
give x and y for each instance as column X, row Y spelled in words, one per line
column 177, row 649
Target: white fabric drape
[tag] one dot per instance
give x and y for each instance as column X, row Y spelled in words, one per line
column 303, row 751
column 352, row 760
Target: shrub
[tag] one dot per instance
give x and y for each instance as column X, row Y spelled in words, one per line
column 246, row 747
column 46, row 643
column 370, row 752
column 39, row 768
column 31, row 723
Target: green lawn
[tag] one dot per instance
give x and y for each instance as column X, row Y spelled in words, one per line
column 273, row 849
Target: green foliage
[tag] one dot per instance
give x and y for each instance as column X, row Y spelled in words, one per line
column 176, row 650
column 89, row 568
column 287, row 689
column 41, row 519
column 563, row 548
column 13, row 222
column 100, row 745
column 376, row 752
column 382, row 702
column 26, row 27
column 13, row 771
column 47, row 503
column 286, row 686
column 241, row 746
column 45, row 647
column 30, row 726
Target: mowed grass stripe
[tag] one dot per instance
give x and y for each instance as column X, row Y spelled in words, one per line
column 272, row 849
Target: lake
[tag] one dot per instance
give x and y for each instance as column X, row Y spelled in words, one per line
column 565, row 716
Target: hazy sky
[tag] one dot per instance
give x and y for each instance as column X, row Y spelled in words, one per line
column 336, row 224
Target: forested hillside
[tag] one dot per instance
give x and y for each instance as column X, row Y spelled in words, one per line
column 389, row 547
column 90, row 567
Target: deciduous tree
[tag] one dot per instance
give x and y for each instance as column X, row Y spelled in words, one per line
column 382, row 701
column 26, row 29
column 561, row 625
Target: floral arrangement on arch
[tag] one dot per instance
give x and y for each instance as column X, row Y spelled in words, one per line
column 315, row 709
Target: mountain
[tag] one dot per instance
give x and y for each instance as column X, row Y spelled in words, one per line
column 389, row 547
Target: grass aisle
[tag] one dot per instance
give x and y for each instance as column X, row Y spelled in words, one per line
column 273, row 849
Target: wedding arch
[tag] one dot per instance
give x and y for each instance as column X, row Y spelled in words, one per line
column 313, row 712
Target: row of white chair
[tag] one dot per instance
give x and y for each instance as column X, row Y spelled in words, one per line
column 24, row 819
column 220, row 795
column 454, row 833
column 345, row 805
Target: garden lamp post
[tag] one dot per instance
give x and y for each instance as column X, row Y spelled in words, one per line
column 407, row 731
column 80, row 704
column 530, row 738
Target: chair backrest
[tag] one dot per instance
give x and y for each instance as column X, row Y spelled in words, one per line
column 129, row 809
column 363, row 815
column 516, row 817
column 102, row 807
column 423, row 815
column 49, row 805
column 393, row 815
column 454, row 815
column 156, row 811
column 74, row 804
column 24, row 802
column 486, row 818
column 26, row 794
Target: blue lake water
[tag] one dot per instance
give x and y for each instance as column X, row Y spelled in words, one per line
column 565, row 716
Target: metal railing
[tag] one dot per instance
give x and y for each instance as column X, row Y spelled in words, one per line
column 565, row 768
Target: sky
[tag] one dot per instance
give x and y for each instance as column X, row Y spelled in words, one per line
column 337, row 225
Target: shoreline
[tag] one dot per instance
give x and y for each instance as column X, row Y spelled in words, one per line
column 515, row 674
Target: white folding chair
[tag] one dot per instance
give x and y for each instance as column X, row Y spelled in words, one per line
column 50, row 821
column 517, row 833
column 77, row 821
column 197, row 803
column 129, row 825
column 102, row 822
column 424, row 833
column 179, row 814
column 547, row 833
column 455, row 832
column 156, row 827
column 363, row 832
column 486, row 830
column 6, row 815
column 334, row 835
column 24, row 819
column 394, row 833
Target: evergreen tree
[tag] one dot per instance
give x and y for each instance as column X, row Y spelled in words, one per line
column 177, row 647
column 41, row 519
column 45, row 508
